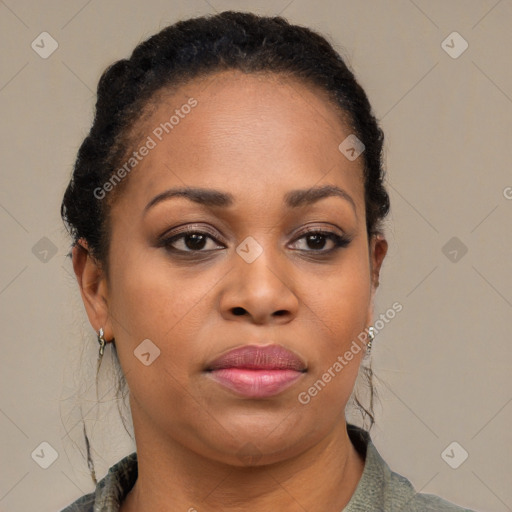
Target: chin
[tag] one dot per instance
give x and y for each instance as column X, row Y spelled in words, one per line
column 267, row 439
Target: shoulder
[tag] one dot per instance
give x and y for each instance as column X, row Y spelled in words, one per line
column 432, row 503
column 83, row 504
column 400, row 495
column 384, row 490
column 111, row 489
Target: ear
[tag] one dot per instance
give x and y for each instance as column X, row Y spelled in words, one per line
column 93, row 287
column 378, row 249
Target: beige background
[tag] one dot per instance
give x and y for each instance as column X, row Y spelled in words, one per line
column 444, row 361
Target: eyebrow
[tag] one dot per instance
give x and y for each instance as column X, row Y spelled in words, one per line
column 216, row 198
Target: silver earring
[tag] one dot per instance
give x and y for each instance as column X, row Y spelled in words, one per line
column 371, row 336
column 101, row 341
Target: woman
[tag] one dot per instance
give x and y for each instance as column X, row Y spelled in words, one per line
column 226, row 212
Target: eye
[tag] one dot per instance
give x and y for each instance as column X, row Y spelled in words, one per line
column 190, row 240
column 193, row 240
column 316, row 240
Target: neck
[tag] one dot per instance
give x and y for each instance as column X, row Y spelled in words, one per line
column 323, row 478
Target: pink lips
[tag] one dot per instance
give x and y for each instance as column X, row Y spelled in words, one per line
column 256, row 371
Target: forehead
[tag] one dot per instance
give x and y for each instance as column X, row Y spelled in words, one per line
column 259, row 133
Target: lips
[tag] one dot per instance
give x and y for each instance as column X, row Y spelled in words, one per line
column 256, row 371
column 257, row 357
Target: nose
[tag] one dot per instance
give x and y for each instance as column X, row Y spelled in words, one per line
column 260, row 292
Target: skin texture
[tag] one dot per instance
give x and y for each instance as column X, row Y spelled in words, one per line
column 256, row 137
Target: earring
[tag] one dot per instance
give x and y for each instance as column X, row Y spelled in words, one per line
column 371, row 335
column 101, row 341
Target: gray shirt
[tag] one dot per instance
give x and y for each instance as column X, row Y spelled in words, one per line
column 378, row 490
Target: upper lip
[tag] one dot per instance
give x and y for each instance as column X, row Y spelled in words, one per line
column 259, row 357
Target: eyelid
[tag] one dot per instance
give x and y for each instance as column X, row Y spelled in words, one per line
column 315, row 229
column 194, row 228
column 190, row 228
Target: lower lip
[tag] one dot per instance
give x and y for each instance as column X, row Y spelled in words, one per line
column 255, row 383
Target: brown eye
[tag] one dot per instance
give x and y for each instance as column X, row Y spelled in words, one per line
column 315, row 241
column 193, row 241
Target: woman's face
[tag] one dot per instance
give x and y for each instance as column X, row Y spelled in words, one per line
column 253, row 276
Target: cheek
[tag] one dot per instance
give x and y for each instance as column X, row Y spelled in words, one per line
column 341, row 302
column 151, row 300
column 340, row 313
column 150, row 303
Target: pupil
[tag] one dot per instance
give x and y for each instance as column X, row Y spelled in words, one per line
column 195, row 241
column 318, row 240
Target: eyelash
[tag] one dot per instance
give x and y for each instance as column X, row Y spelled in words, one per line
column 338, row 240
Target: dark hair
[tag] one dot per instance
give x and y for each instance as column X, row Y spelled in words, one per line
column 195, row 48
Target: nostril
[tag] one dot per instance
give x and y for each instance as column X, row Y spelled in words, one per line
column 281, row 312
column 238, row 311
